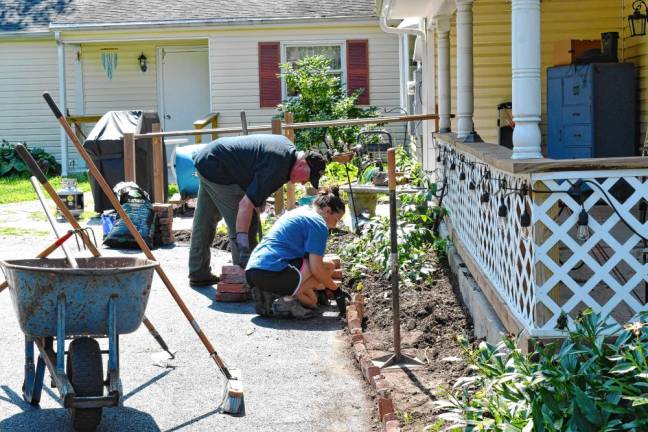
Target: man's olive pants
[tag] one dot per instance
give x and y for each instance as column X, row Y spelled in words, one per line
column 215, row 202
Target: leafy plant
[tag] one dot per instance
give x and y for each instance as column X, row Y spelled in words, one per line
column 11, row 165
column 320, row 96
column 415, row 239
column 586, row 384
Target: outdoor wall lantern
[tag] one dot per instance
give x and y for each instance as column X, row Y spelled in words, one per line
column 142, row 62
column 637, row 21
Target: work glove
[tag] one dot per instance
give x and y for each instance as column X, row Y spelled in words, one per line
column 243, row 243
column 340, row 299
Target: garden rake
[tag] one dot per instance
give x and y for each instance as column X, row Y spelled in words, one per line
column 39, row 175
column 233, row 391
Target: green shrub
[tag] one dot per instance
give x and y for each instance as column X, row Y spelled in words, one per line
column 320, row 96
column 415, row 219
column 585, row 384
column 11, row 165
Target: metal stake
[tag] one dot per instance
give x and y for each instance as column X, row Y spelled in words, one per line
column 396, row 360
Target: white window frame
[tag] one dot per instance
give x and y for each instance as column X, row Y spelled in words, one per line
column 343, row 62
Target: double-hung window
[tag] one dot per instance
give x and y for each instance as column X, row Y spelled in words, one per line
column 291, row 52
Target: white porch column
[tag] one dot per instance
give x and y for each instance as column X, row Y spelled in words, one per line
column 62, row 102
column 443, row 71
column 429, row 95
column 465, row 96
column 526, row 79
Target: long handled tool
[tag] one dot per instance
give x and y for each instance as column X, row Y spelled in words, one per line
column 39, row 175
column 233, row 391
column 397, row 359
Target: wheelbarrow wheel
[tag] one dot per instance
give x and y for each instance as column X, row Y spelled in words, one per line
column 85, row 371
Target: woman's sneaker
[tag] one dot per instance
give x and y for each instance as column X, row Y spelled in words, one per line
column 282, row 308
column 263, row 302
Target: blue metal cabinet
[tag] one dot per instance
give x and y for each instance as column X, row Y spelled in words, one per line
column 591, row 111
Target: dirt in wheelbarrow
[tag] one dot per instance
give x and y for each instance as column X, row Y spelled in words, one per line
column 431, row 316
column 221, row 241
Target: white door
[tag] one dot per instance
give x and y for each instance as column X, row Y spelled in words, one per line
column 183, row 86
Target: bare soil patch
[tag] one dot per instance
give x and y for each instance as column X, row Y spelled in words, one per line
column 431, row 317
column 221, row 241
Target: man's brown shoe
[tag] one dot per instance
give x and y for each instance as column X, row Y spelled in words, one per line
column 212, row 279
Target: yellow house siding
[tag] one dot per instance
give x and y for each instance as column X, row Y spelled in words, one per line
column 636, row 51
column 560, row 20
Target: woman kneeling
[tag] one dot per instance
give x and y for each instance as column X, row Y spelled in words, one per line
column 289, row 261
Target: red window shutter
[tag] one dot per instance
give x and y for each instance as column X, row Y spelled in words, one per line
column 358, row 68
column 269, row 83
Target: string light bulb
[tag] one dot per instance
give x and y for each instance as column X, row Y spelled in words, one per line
column 502, row 212
column 462, row 176
column 485, row 197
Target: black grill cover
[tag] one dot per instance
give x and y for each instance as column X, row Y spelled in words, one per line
column 105, row 144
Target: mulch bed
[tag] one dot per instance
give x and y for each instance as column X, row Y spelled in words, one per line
column 431, row 317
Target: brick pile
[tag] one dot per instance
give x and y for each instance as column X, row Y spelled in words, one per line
column 232, row 286
column 371, row 373
column 164, row 227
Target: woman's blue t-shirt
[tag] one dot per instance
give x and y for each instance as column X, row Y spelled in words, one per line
column 298, row 232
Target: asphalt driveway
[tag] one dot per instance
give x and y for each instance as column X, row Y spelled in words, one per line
column 297, row 375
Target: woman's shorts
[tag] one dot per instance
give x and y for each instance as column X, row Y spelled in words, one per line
column 283, row 283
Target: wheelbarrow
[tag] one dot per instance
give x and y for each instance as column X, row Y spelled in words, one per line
column 102, row 298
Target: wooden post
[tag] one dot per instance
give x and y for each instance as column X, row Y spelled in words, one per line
column 158, row 166
column 279, row 195
column 214, row 125
column 244, row 123
column 290, row 187
column 129, row 157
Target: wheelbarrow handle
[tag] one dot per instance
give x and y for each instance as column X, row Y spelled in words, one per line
column 31, row 163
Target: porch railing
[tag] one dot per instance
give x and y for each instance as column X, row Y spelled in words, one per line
column 517, row 225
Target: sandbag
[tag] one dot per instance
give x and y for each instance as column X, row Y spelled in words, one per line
column 137, row 205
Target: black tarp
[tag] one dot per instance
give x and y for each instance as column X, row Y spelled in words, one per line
column 105, row 144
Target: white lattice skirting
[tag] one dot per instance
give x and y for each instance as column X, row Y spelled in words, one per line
column 545, row 270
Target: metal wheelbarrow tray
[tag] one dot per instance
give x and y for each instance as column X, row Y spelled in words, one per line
column 104, row 297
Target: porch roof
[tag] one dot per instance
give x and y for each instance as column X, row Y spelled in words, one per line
column 33, row 15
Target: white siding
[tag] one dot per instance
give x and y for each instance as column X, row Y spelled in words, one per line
column 27, row 69
column 235, row 70
column 129, row 88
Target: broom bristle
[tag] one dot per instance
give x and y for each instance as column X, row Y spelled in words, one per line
column 233, row 393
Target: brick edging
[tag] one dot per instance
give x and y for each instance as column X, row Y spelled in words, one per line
column 371, row 373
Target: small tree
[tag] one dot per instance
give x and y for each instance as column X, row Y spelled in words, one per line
column 320, row 96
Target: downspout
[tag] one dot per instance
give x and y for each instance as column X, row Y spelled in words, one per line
column 62, row 101
column 403, row 56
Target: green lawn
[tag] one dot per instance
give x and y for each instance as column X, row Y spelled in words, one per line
column 14, row 189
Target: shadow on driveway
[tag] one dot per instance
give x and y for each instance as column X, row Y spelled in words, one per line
column 58, row 419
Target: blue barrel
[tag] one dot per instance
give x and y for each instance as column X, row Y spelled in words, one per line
column 186, row 171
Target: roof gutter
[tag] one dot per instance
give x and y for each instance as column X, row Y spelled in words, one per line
column 403, row 49
column 213, row 22
column 384, row 16
column 40, row 34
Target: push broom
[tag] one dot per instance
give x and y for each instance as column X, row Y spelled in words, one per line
column 233, row 390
